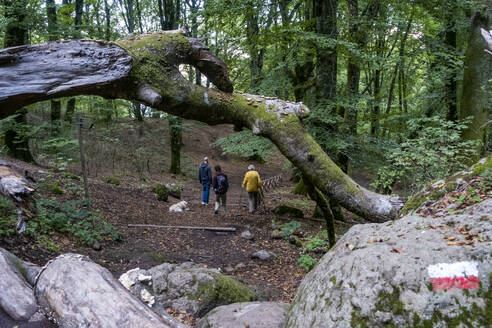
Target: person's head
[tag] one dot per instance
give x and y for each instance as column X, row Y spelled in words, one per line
column 205, row 159
column 217, row 168
column 251, row 167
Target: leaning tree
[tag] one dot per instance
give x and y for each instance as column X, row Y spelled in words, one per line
column 145, row 68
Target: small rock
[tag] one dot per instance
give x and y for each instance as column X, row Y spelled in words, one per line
column 247, row 235
column 228, row 269
column 263, row 255
column 96, row 246
column 474, row 232
column 240, row 265
column 277, row 234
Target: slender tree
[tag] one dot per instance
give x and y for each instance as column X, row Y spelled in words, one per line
column 16, row 34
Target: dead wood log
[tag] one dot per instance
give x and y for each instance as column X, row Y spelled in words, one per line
column 81, row 293
column 145, row 68
column 224, row 229
column 17, row 188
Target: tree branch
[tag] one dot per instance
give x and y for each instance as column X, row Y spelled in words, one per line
column 146, row 68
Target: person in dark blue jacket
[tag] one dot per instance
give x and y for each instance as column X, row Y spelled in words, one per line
column 205, row 178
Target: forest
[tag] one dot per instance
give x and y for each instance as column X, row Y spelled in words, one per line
column 369, row 122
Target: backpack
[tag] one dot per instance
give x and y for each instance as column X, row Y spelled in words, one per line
column 222, row 184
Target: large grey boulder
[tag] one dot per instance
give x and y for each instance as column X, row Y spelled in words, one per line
column 80, row 293
column 16, row 295
column 248, row 314
column 186, row 287
column 379, row 275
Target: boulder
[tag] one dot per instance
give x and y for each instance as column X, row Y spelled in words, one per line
column 249, row 314
column 413, row 272
column 80, row 293
column 247, row 235
column 288, row 210
column 186, row 287
column 16, row 296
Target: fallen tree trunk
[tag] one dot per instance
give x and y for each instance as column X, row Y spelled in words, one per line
column 222, row 229
column 145, row 68
column 80, row 293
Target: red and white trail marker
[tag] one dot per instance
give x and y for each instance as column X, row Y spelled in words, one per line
column 458, row 275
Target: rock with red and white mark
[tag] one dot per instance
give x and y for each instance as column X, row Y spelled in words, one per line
column 413, row 272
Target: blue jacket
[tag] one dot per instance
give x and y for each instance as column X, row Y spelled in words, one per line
column 204, row 173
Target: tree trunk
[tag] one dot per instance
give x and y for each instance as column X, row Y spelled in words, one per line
column 15, row 35
column 175, row 133
column 132, row 69
column 451, row 80
column 79, row 11
column 474, row 100
column 325, row 12
column 55, row 105
column 108, row 20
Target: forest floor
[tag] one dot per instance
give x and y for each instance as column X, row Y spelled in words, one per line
column 134, row 202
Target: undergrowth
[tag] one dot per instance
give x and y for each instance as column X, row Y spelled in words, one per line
column 71, row 218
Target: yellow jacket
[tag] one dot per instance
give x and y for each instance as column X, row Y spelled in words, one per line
column 252, row 181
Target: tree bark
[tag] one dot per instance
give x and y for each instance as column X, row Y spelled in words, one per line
column 107, row 13
column 474, row 100
column 136, row 70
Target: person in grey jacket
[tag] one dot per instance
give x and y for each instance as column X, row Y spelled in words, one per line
column 205, row 178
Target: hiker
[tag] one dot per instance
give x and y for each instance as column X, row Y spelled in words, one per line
column 205, row 178
column 220, row 184
column 252, row 182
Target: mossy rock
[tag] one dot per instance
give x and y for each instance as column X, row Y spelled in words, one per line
column 222, row 290
column 161, row 191
column 288, row 210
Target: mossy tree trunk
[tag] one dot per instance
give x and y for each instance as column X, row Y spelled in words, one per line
column 144, row 68
column 474, row 100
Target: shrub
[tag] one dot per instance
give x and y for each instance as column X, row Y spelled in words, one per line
column 71, row 218
column 112, row 180
column 306, row 261
column 433, row 150
column 289, row 228
column 161, row 191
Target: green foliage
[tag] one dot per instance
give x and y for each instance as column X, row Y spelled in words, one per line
column 307, row 262
column 71, row 218
column 7, row 217
column 432, row 150
column 53, row 187
column 161, row 191
column 245, row 144
column 289, row 228
column 112, row 180
column 315, row 242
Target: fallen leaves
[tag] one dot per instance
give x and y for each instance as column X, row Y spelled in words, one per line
column 397, row 250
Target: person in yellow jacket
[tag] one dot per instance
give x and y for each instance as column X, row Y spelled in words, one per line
column 252, row 183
